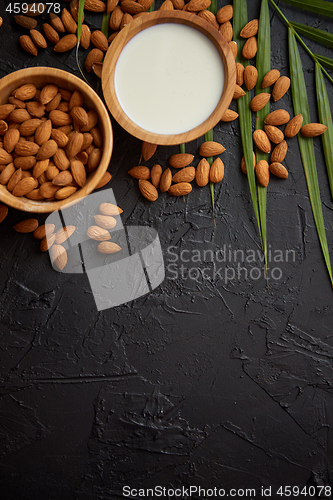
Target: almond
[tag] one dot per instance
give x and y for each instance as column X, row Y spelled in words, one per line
column 7, row 173
column 94, row 159
column 105, row 221
column 108, row 247
column 47, row 242
column 278, row 170
column 250, row 29
column 28, row 45
column 140, row 172
column 19, row 116
column 196, row 5
column 44, row 230
column 148, row 150
column 25, row 92
column 250, row 77
column 277, row 117
column 280, row 87
column 26, row 148
column 47, row 93
column 155, row 175
column 92, row 121
column 5, row 110
column 250, row 48
column 104, row 180
column 25, row 22
column 95, row 5
column 79, row 115
column 63, row 178
column 226, row 31
column 180, row 160
column 148, row 190
column 78, row 172
column 65, row 192
column 238, row 92
column 313, row 129
column 270, row 78
column 207, row 15
column 39, row 168
column 261, row 141
column 262, row 172
column 279, row 152
column 29, row 127
column 10, row 139
column 66, row 43
column 63, row 234
column 59, row 256
column 38, row 39
column 186, row 174
column 109, row 209
column 48, row 190
column 239, row 74
column 36, row 109
column 50, row 33
column 180, row 189
column 74, row 8
column 202, row 172
column 131, row 7
column 115, row 19
column 15, row 179
column 229, row 116
column 259, row 101
column 74, row 145
column 24, row 186
column 224, row 14
column 59, row 118
column 57, row 23
column 5, row 157
column 294, row 126
column 216, row 172
column 61, row 160
column 211, row 148
column 97, row 69
column 99, row 39
column 59, row 137
column 3, row 127
column 51, row 172
column 274, row 134
column 166, row 179
column 85, row 36
column 26, row 226
column 68, row 21
column 98, row 233
column 47, row 150
column 243, row 164
column 3, row 212
column 95, row 55
column 43, row 133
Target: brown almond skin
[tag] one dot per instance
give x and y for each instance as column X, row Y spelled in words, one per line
column 63, row 178
column 216, row 172
column 15, row 179
column 180, row 160
column 279, row 152
column 44, row 230
column 68, row 42
column 155, row 175
column 186, row 174
column 270, row 78
column 243, row 164
column 238, row 92
column 250, row 48
column 262, row 172
column 78, row 172
column 25, row 21
column 65, row 192
column 250, row 29
column 259, row 101
column 28, row 45
column 95, row 55
column 147, row 150
column 313, row 129
column 57, row 23
column 38, row 39
column 226, row 31
column 224, row 14
column 281, row 86
column 166, row 180
column 202, row 173
column 47, row 242
column 140, row 172
column 277, row 117
column 104, row 181
column 99, row 40
column 294, row 126
column 3, row 212
column 148, row 190
column 278, row 170
column 26, row 226
column 50, row 33
column 261, row 141
column 180, row 189
column 240, row 74
column 211, row 148
column 229, row 116
column 10, row 139
column 274, row 134
column 25, row 92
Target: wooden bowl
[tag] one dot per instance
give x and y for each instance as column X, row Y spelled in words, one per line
column 141, row 23
column 40, row 76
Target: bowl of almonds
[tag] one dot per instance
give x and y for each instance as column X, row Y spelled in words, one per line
column 55, row 139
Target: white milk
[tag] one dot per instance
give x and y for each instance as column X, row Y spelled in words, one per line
column 169, row 78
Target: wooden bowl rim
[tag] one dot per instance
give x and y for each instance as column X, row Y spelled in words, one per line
column 26, row 75
column 139, row 24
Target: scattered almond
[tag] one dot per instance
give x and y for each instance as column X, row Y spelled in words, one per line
column 180, row 189
column 58, row 256
column 166, row 180
column 270, row 78
column 279, row 152
column 243, row 164
column 294, row 126
column 26, row 226
column 229, row 116
column 262, row 172
column 105, row 221
column 211, row 148
column 250, row 77
column 250, row 48
column 224, row 14
column 259, row 101
column 274, row 134
column 44, row 230
column 180, row 160
column 261, row 140
column 3, row 212
column 108, row 247
column 28, row 45
column 313, row 129
column 280, row 87
column 202, row 172
column 238, row 92
column 216, row 172
column 147, row 150
column 278, row 170
column 186, row 174
column 250, row 29
column 109, row 209
column 277, row 117
column 148, row 190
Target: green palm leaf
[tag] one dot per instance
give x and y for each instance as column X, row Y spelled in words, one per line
column 325, row 117
column 318, row 6
column 301, row 105
column 326, row 61
column 263, row 63
column 79, row 22
column 315, row 34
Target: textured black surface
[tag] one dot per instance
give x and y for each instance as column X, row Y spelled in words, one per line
column 202, row 382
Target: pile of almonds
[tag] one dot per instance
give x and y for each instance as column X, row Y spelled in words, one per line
column 52, row 240
column 61, row 30
column 153, row 180
column 48, row 143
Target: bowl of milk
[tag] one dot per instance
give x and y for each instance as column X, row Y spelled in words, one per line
column 168, row 77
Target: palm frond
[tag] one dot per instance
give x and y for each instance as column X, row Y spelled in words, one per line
column 315, row 34
column 321, row 7
column 325, row 61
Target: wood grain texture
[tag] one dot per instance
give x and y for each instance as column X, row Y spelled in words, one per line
column 41, row 76
column 141, row 23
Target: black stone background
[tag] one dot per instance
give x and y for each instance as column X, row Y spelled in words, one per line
column 201, row 382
